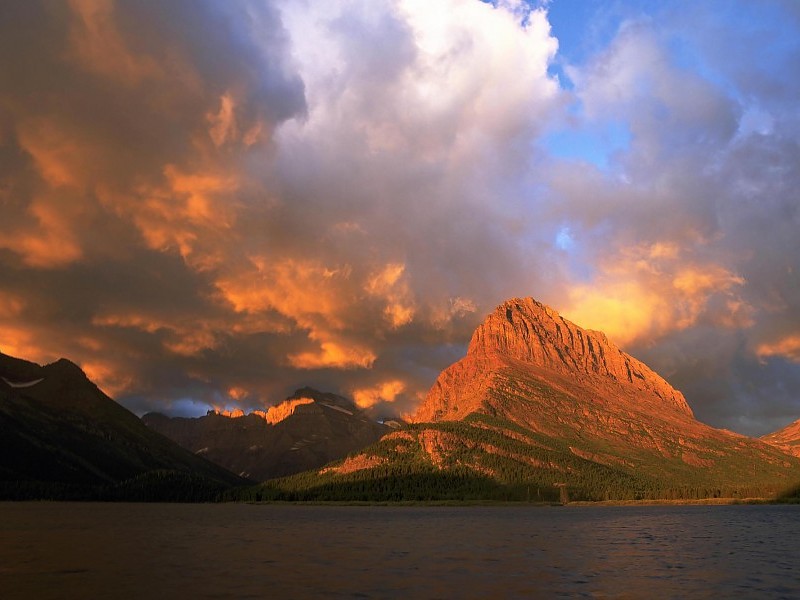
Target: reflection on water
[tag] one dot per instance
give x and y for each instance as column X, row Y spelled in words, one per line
column 62, row 550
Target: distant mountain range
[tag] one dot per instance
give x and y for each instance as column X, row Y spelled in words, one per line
column 306, row 431
column 62, row 438
column 539, row 409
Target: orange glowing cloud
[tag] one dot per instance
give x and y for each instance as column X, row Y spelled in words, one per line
column 623, row 310
column 334, row 355
column 131, row 320
column 198, row 191
column 58, row 212
column 191, row 212
column 383, row 392
column 113, row 380
column 308, row 292
column 699, row 280
column 313, row 296
column 22, row 342
column 649, row 290
column 181, row 338
column 60, row 158
column 694, row 285
column 787, row 347
column 189, row 342
column 222, row 124
column 662, row 250
column 237, row 393
column 389, row 285
column 98, row 46
column 53, row 241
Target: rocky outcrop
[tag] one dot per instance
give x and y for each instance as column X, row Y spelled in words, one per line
column 273, row 415
column 284, row 410
column 524, row 331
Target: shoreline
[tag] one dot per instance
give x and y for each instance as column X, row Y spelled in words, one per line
column 686, row 502
column 578, row 503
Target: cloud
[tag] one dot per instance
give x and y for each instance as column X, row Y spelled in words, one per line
column 110, row 173
column 388, row 285
column 787, row 346
column 212, row 204
column 683, row 251
column 386, row 391
column 259, row 197
column 98, row 46
column 642, row 292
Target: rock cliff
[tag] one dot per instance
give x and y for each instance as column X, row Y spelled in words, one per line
column 523, row 330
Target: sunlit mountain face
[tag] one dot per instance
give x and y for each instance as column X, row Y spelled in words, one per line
column 207, row 205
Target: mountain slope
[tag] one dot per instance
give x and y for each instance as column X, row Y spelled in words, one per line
column 540, row 403
column 787, row 439
column 62, row 437
column 306, row 431
column 548, row 375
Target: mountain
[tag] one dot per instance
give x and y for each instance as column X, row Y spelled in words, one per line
column 542, row 407
column 64, row 438
column 306, row 431
column 525, row 336
column 787, row 439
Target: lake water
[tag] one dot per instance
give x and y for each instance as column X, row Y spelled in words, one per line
column 75, row 550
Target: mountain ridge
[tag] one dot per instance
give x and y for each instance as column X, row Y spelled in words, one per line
column 307, row 430
column 63, row 437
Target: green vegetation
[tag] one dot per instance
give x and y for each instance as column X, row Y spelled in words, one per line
column 486, row 458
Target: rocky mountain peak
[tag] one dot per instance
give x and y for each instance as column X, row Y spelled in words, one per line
column 529, row 333
column 528, row 330
column 65, row 368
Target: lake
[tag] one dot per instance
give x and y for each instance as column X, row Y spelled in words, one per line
column 77, row 550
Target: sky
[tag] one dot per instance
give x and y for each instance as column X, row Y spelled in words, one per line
column 211, row 204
